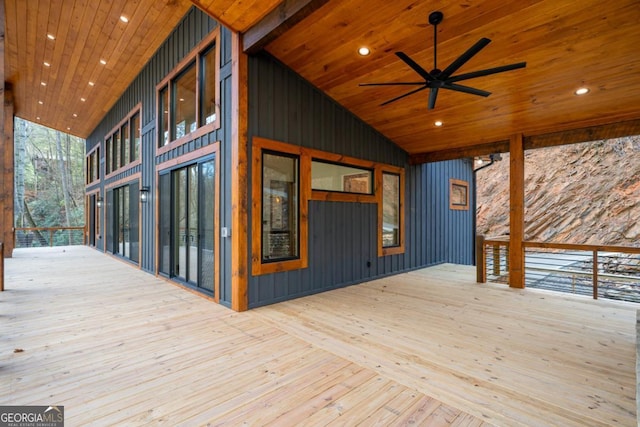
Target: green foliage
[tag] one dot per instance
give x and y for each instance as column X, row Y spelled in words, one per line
column 43, row 157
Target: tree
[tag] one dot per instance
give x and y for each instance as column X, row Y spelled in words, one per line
column 49, row 174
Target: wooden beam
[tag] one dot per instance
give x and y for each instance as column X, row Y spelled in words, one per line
column 593, row 133
column 516, row 212
column 460, row 153
column 239, row 176
column 277, row 22
column 6, row 148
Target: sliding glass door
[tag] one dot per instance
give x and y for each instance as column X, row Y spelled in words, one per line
column 123, row 220
column 187, row 203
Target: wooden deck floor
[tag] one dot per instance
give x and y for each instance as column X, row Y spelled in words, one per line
column 117, row 346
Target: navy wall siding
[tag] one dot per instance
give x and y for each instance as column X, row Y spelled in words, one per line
column 343, row 236
column 450, row 232
column 189, row 32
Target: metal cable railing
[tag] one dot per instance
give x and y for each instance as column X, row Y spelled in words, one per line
column 30, row 237
column 611, row 272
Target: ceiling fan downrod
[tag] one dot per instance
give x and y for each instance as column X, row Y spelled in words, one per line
column 434, row 19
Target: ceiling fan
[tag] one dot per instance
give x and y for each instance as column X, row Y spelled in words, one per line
column 444, row 79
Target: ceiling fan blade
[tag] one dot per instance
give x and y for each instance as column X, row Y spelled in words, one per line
column 462, row 59
column 417, row 68
column 487, row 72
column 393, row 84
column 465, row 89
column 406, row 94
column 433, row 94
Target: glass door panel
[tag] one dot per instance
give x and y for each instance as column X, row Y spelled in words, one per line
column 206, row 230
column 192, row 241
column 180, row 230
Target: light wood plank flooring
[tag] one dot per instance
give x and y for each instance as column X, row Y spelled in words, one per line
column 117, row 346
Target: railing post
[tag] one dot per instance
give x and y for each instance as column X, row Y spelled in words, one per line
column 50, row 237
column 1, row 267
column 595, row 274
column 481, row 260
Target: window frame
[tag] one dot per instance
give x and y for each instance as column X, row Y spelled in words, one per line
column 306, row 155
column 92, row 163
column 109, row 212
column 398, row 249
column 452, row 203
column 112, row 150
column 193, row 58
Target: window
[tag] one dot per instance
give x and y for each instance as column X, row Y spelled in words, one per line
column 122, row 144
column 108, row 156
column 390, row 210
column 208, row 99
column 342, row 178
column 135, row 136
column 280, row 207
column 93, row 166
column 164, row 117
column 286, row 177
column 458, row 195
column 184, row 103
column 126, row 144
column 188, row 97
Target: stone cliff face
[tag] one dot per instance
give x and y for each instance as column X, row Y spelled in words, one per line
column 584, row 193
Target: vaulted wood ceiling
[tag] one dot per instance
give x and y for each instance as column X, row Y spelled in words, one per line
column 566, row 45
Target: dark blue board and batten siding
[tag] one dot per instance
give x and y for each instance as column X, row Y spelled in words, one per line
column 343, row 236
column 194, row 27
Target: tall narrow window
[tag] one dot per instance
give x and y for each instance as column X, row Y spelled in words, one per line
column 280, row 207
column 135, row 137
column 108, row 156
column 390, row 210
column 126, row 144
column 117, row 151
column 163, row 117
column 208, row 83
column 184, row 103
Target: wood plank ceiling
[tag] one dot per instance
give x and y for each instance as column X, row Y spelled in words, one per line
column 566, row 45
column 59, row 81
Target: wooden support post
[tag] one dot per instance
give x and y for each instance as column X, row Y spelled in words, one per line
column 595, row 274
column 481, row 260
column 516, row 212
column 1, row 267
column 239, row 176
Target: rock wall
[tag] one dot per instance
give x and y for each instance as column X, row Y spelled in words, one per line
column 583, row 193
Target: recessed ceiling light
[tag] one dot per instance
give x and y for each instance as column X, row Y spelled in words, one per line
column 40, row 102
column 438, row 123
column 92, row 84
column 582, row 91
column 75, row 115
column 181, row 99
column 68, row 128
column 364, row 51
column 103, row 62
column 82, row 99
column 46, row 64
column 43, row 83
column 124, row 19
column 38, row 118
column 51, row 36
